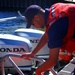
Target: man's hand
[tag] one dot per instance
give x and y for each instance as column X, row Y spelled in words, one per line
column 27, row 55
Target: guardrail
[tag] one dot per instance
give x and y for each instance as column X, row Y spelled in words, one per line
column 8, row 57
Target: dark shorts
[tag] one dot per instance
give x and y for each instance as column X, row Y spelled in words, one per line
column 57, row 32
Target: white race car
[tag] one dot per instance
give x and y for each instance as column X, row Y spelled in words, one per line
column 21, row 41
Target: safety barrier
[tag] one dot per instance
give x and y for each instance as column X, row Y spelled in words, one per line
column 22, row 4
column 8, row 57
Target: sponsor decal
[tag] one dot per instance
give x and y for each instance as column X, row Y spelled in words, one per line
column 34, row 40
column 7, row 49
column 12, row 50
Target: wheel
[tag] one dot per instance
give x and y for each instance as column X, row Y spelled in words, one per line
column 27, row 72
column 47, row 72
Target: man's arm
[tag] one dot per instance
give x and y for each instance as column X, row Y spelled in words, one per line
column 42, row 42
column 52, row 60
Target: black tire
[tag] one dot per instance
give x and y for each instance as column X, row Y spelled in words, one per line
column 47, row 72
